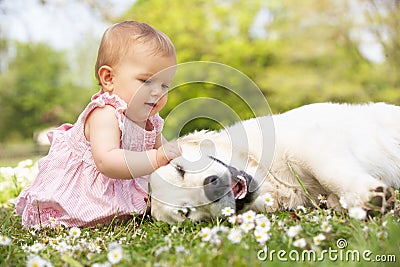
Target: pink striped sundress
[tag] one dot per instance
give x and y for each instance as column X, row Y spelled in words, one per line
column 70, row 190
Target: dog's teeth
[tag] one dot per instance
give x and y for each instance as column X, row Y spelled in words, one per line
column 241, row 196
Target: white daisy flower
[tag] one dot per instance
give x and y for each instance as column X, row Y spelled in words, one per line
column 7, row 172
column 268, row 199
column 94, row 247
column 293, row 230
column 314, row 219
column 228, row 211
column 343, row 202
column 302, row 208
column 322, row 199
column 300, row 243
column 261, row 218
column 328, row 212
column 232, row 219
column 263, row 222
column 205, row 234
column 25, row 248
column 74, row 232
column 174, row 229
column 357, row 213
column 249, row 216
column 382, row 235
column 104, row 264
column 53, row 221
column 215, row 240
column 235, row 236
column 222, row 229
column 318, row 239
column 161, row 250
column 326, row 227
column 4, row 240
column 114, row 245
column 247, row 226
column 261, row 236
column 53, row 242
column 35, row 248
column 25, row 163
column 115, row 255
column 181, row 249
column 37, row 261
column 62, row 247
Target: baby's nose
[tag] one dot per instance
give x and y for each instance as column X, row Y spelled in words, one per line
column 157, row 89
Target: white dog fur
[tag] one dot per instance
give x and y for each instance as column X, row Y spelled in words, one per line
column 343, row 151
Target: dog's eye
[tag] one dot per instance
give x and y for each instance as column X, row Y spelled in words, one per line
column 180, row 169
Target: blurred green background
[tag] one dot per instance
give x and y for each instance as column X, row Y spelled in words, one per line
column 296, row 52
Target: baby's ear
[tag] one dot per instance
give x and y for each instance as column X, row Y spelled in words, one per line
column 106, row 78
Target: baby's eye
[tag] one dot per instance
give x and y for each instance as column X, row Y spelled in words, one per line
column 164, row 86
column 145, row 80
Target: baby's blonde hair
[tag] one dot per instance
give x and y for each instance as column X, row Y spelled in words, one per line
column 120, row 37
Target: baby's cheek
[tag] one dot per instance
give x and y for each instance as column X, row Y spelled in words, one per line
column 162, row 102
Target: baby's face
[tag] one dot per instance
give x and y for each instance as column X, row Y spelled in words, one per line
column 142, row 80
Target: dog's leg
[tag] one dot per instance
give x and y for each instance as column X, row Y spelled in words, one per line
column 357, row 188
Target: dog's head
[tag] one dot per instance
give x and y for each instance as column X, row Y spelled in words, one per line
column 216, row 170
column 199, row 186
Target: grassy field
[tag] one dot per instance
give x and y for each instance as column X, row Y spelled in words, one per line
column 304, row 236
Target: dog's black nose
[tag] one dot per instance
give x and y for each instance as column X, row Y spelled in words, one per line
column 215, row 188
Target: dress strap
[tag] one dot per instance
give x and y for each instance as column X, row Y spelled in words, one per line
column 100, row 99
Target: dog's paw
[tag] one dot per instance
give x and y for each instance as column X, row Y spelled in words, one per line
column 382, row 200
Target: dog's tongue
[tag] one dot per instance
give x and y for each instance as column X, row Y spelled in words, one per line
column 239, row 187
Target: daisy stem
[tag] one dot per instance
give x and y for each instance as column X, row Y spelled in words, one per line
column 303, row 187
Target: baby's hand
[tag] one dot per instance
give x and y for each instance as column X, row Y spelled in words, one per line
column 167, row 152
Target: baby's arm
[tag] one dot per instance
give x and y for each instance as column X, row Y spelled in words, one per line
column 102, row 131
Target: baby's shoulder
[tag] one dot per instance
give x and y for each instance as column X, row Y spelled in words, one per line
column 102, row 114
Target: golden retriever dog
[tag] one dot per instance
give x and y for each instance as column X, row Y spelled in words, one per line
column 349, row 154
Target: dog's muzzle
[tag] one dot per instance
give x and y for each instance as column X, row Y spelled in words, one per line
column 216, row 188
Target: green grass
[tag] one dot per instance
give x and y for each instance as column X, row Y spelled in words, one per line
column 142, row 241
column 146, row 242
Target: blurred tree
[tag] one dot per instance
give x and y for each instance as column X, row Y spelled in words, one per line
column 381, row 18
column 296, row 52
column 220, row 31
column 3, row 43
column 317, row 58
column 34, row 92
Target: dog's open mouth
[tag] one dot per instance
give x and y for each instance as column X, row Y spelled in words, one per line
column 239, row 186
column 240, row 181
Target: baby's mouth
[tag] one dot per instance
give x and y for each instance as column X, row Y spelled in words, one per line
column 150, row 104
